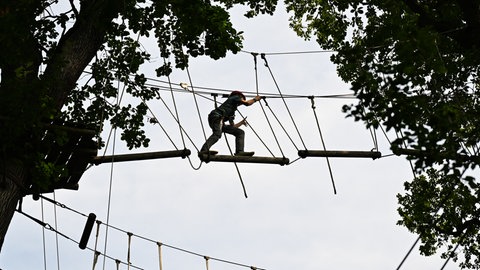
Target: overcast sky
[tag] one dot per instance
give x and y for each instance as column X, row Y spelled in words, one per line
column 291, row 219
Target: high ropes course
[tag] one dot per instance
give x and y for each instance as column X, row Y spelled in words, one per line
column 168, row 93
column 84, row 152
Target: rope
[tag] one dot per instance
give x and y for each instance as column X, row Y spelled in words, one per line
column 109, row 196
column 373, row 134
column 160, row 255
column 294, row 52
column 96, row 253
column 56, row 235
column 95, row 258
column 283, row 99
column 114, row 130
column 236, row 167
column 323, row 144
column 161, row 126
column 196, row 104
column 128, row 252
column 280, row 123
column 263, row 109
column 256, row 134
column 153, row 241
column 49, row 227
column 43, row 237
column 206, row 261
column 175, row 107
column 176, row 120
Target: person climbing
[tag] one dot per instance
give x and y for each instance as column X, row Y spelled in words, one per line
column 224, row 113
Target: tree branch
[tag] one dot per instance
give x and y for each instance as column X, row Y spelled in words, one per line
column 78, row 46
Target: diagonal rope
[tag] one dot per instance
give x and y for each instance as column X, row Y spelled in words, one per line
column 283, row 99
column 175, row 107
column 196, row 103
column 236, row 167
column 323, row 144
column 261, row 105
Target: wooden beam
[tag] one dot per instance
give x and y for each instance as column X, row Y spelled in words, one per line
column 244, row 159
column 141, row 156
column 338, row 153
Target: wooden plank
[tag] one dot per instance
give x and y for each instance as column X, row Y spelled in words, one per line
column 244, row 159
column 339, row 153
column 141, row 156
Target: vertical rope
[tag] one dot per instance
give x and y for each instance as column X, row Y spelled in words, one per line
column 128, row 252
column 95, row 259
column 206, row 261
column 56, row 229
column 160, row 255
column 323, row 143
column 43, row 239
column 109, row 197
column 96, row 253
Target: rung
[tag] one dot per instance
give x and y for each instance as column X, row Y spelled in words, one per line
column 338, row 153
column 141, row 156
column 244, row 159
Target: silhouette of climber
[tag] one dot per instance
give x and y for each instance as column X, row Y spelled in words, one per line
column 224, row 113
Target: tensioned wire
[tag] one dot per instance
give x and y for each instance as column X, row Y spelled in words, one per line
column 132, row 234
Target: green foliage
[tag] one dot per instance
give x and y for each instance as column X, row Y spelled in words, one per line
column 413, row 65
column 444, row 212
column 47, row 45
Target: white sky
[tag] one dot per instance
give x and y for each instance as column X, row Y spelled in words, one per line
column 291, row 219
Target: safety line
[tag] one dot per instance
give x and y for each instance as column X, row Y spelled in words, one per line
column 223, row 91
column 291, row 52
column 247, row 93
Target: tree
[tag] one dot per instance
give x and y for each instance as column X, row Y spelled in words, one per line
column 46, row 46
column 413, row 66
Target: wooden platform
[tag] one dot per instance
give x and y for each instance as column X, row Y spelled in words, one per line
column 244, row 159
column 70, row 147
column 339, row 154
column 141, row 156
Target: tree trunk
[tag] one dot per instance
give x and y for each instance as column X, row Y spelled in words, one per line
column 73, row 53
column 11, row 191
